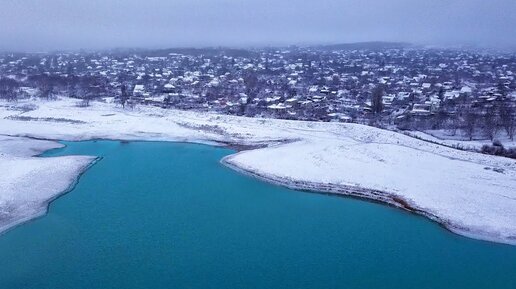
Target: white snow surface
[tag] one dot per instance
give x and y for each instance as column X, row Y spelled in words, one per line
column 469, row 193
column 460, row 140
column 27, row 183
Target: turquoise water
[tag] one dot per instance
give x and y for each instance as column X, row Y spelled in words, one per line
column 168, row 215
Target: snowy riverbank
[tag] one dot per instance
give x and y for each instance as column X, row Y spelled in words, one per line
column 29, row 183
column 470, row 193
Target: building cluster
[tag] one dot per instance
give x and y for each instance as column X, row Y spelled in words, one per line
column 304, row 83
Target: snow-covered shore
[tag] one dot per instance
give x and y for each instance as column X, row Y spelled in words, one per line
column 469, row 193
column 28, row 183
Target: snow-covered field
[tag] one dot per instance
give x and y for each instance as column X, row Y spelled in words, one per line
column 469, row 193
column 461, row 141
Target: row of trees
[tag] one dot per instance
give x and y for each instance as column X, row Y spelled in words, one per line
column 9, row 89
column 487, row 118
column 85, row 88
column 48, row 86
column 500, row 115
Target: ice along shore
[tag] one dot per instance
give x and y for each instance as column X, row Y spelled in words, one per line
column 469, row 193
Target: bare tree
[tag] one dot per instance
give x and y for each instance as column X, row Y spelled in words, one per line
column 47, row 91
column 454, row 125
column 251, row 84
column 440, row 94
column 440, row 118
column 508, row 118
column 9, row 89
column 377, row 100
column 490, row 126
column 124, row 96
column 470, row 120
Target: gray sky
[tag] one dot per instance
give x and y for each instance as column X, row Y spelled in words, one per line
column 71, row 24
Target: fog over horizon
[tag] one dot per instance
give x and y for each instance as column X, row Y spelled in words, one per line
column 43, row 25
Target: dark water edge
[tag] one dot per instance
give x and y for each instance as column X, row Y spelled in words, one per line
column 169, row 215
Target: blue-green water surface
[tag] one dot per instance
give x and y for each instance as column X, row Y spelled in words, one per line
column 168, row 215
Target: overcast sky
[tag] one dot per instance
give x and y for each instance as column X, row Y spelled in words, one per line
column 35, row 25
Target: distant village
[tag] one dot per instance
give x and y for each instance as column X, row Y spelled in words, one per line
column 393, row 86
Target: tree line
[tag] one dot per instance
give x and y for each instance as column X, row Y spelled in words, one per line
column 472, row 117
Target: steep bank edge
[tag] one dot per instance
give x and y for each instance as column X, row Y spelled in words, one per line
column 366, row 194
